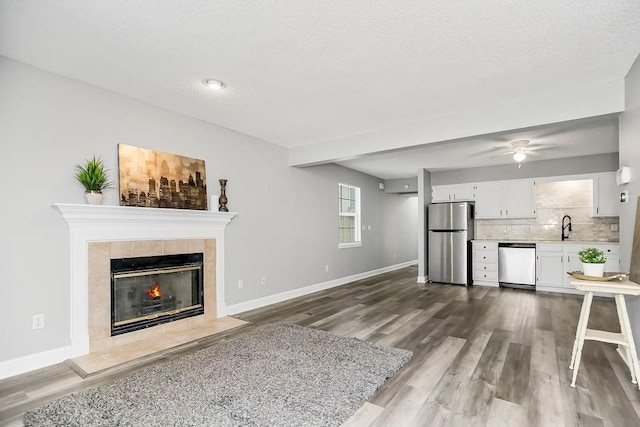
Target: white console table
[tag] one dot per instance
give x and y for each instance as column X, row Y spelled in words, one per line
column 619, row 288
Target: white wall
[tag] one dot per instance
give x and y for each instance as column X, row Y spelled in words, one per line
column 286, row 229
column 630, row 156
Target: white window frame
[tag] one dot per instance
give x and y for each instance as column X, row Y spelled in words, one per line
column 357, row 215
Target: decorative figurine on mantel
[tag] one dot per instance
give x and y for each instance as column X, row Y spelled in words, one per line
column 222, row 201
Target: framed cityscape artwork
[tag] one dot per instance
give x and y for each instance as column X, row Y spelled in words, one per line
column 153, row 179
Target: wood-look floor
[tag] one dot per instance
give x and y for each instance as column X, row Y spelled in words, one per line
column 482, row 356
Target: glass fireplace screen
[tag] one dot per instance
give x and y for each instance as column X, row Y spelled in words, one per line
column 147, row 291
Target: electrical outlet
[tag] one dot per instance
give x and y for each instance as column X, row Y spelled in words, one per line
column 240, row 284
column 326, row 268
column 263, row 280
column 37, row 321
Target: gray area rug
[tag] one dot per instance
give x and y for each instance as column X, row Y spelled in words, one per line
column 280, row 375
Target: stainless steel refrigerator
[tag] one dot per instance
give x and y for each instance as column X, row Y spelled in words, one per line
column 449, row 248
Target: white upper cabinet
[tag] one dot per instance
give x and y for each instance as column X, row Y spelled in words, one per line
column 441, row 193
column 452, row 193
column 605, row 195
column 464, row 192
column 489, row 200
column 520, row 199
column 505, row 199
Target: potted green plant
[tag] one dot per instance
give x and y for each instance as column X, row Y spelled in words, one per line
column 592, row 261
column 93, row 176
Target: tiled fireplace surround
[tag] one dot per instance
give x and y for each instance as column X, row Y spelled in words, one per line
column 100, row 233
column 99, row 283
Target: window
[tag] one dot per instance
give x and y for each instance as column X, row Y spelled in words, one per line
column 348, row 216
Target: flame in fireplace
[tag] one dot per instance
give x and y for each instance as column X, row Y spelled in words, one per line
column 154, row 292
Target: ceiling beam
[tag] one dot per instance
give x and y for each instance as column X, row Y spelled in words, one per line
column 541, row 108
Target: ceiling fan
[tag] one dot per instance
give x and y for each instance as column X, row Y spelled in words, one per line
column 521, row 148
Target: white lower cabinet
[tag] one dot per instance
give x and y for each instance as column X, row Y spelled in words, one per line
column 549, row 265
column 553, row 263
column 555, row 260
column 485, row 263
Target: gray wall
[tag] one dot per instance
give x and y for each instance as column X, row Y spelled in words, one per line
column 630, row 156
column 401, row 185
column 400, row 234
column 538, row 169
column 286, row 229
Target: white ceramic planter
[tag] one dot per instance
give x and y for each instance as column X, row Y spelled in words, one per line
column 93, row 197
column 593, row 270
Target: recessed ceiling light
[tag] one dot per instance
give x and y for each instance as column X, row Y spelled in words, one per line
column 214, row 84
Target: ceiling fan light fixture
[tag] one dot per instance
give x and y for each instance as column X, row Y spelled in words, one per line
column 519, row 144
column 519, row 156
column 214, row 84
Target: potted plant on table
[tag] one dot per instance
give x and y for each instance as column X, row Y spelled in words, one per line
column 593, row 260
column 93, row 176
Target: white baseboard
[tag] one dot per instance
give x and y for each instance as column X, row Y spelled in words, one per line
column 422, row 279
column 32, row 362
column 284, row 296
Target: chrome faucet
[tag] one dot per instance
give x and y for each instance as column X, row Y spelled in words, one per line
column 568, row 225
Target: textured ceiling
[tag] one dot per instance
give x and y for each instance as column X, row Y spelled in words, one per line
column 307, row 72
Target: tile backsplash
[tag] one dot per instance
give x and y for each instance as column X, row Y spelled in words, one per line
column 553, row 201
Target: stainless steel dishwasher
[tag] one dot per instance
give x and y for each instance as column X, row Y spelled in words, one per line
column 517, row 265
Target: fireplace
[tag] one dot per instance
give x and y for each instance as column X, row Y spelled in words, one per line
column 152, row 290
column 101, row 233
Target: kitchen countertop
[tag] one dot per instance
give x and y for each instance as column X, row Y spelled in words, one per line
column 549, row 241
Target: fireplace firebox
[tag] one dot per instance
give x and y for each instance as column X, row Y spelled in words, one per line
column 148, row 291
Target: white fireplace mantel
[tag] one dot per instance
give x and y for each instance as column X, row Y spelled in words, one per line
column 89, row 223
